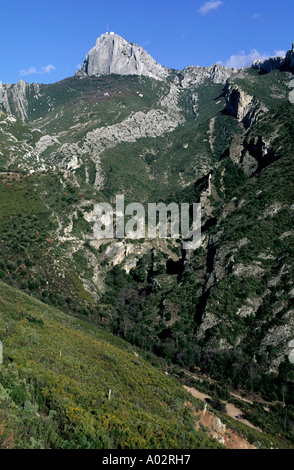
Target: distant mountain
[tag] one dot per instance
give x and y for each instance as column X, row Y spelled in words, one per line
column 113, row 54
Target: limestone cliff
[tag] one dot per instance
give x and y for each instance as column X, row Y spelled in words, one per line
column 244, row 107
column 112, row 54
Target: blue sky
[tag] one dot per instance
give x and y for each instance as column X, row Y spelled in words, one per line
column 46, row 41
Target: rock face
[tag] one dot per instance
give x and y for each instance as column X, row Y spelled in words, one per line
column 45, row 142
column 113, row 54
column 194, row 75
column 15, row 99
column 273, row 63
column 268, row 65
column 289, row 60
column 244, row 107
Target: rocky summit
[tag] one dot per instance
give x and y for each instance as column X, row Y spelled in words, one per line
column 112, row 54
column 84, row 320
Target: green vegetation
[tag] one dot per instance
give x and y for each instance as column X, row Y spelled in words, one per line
column 93, row 102
column 33, row 209
column 157, row 169
column 227, row 308
column 275, row 420
column 166, row 317
column 269, row 88
column 55, row 382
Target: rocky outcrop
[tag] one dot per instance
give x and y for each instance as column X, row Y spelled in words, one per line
column 112, row 54
column 279, row 338
column 289, row 60
column 194, row 75
column 15, row 99
column 16, row 148
column 268, row 65
column 246, row 108
column 274, row 63
column 261, row 150
column 252, row 153
column 45, row 142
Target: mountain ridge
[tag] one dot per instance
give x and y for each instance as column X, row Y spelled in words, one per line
column 112, row 54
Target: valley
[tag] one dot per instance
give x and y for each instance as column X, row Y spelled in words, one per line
column 81, row 316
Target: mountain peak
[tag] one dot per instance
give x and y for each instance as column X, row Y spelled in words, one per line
column 113, row 54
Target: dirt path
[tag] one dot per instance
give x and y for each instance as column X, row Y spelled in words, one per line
column 197, row 394
column 231, row 409
column 247, row 400
column 250, row 400
column 234, row 395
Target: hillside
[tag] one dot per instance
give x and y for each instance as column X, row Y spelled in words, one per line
column 222, row 137
column 55, row 382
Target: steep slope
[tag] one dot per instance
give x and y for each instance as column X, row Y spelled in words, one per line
column 248, row 291
column 228, row 307
column 56, row 379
